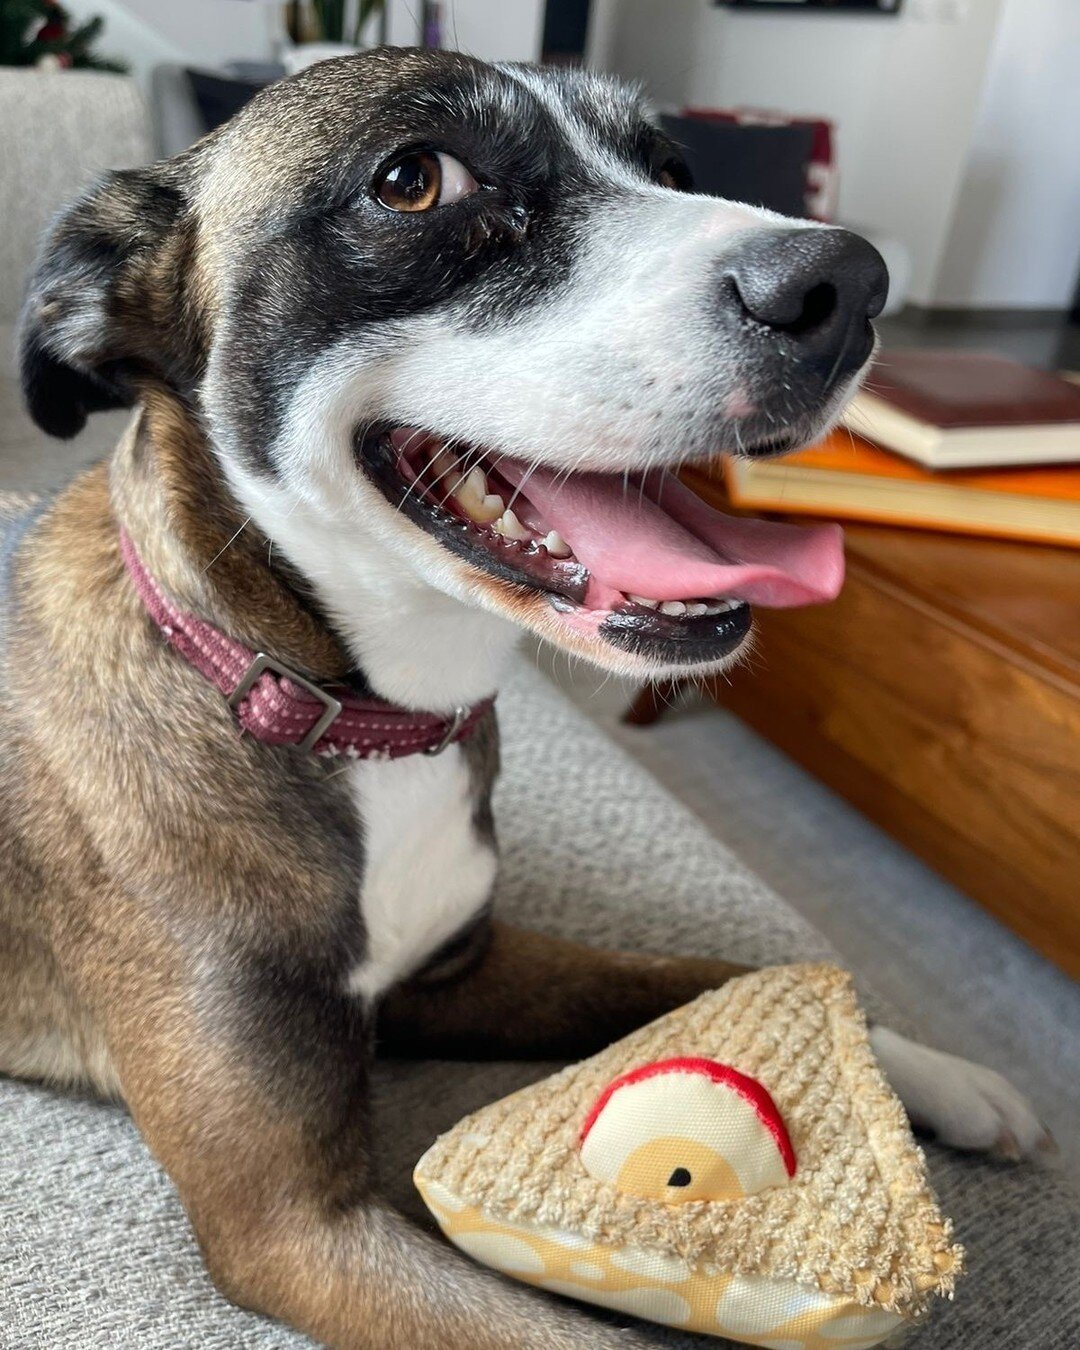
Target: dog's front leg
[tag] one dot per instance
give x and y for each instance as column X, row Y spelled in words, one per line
column 533, row 996
column 248, row 1080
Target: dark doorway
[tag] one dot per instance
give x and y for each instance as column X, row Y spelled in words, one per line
column 566, row 27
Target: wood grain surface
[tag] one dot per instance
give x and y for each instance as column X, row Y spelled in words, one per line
column 941, row 695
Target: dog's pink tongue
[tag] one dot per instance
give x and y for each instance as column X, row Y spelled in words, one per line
column 665, row 543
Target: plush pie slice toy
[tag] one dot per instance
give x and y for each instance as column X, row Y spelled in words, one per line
column 739, row 1167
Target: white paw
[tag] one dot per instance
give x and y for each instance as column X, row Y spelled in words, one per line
column 964, row 1104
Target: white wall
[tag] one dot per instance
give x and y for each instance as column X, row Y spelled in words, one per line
column 194, row 32
column 145, row 33
column 1015, row 236
column 156, row 38
column 903, row 92
column 496, row 30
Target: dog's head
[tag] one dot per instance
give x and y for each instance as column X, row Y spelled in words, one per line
column 452, row 328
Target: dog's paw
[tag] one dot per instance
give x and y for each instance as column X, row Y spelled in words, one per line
column 965, row 1105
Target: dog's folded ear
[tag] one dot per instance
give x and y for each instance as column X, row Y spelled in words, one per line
column 103, row 303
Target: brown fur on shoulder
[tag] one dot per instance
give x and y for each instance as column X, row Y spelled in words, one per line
column 167, row 486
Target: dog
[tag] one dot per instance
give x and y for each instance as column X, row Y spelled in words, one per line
column 416, row 344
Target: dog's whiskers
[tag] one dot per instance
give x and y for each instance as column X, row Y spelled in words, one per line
column 418, row 487
column 417, row 432
column 228, row 544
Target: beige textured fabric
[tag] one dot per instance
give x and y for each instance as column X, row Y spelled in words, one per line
column 857, row 1219
column 61, row 131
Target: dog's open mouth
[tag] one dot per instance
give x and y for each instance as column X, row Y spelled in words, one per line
column 637, row 559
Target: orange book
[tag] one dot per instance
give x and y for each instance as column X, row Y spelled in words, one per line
column 845, row 476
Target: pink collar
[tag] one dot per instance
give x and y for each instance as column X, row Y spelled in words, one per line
column 280, row 707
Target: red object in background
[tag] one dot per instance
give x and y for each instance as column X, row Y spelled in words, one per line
column 822, row 176
column 52, row 29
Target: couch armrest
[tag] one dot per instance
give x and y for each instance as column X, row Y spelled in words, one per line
column 61, row 131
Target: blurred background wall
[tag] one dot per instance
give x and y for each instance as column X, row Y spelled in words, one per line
column 936, row 110
column 955, row 120
column 1015, row 233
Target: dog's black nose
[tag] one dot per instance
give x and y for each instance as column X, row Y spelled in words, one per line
column 819, row 287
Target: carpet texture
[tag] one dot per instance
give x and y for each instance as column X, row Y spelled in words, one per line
column 95, row 1250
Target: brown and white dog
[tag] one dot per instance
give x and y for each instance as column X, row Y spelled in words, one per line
column 416, row 344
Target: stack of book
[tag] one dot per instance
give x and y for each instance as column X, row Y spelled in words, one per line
column 945, row 440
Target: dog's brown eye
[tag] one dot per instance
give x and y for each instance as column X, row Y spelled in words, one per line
column 422, row 180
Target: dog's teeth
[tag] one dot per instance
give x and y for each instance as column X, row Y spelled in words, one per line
column 475, row 481
column 696, row 610
column 510, row 527
column 644, row 600
column 471, row 494
column 721, row 606
column 481, row 512
column 556, row 545
column 442, row 470
column 675, row 608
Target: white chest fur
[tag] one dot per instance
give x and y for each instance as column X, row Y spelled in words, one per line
column 426, row 871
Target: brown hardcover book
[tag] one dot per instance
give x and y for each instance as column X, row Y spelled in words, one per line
column 954, row 409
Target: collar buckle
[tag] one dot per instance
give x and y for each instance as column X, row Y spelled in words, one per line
column 263, row 663
column 457, row 721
